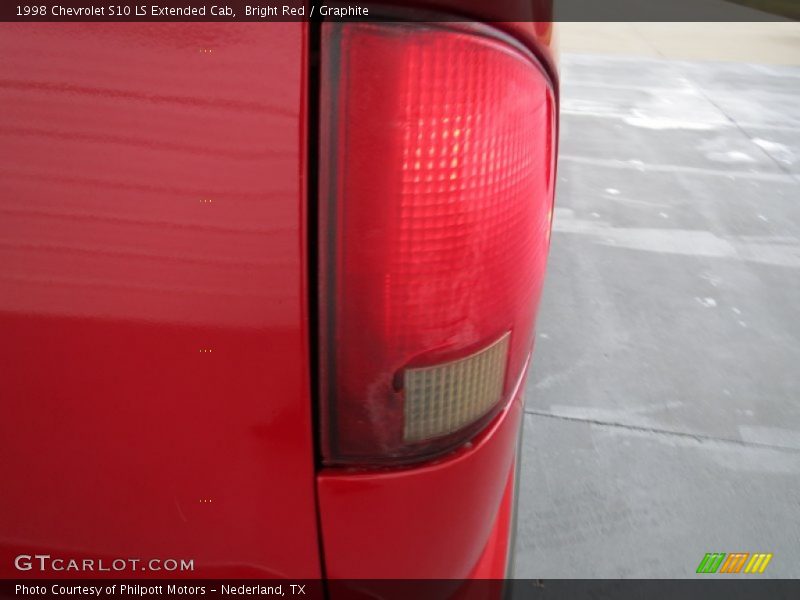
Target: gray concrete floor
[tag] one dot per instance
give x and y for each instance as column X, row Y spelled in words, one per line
column 773, row 42
column 663, row 406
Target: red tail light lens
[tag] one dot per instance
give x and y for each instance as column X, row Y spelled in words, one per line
column 435, row 201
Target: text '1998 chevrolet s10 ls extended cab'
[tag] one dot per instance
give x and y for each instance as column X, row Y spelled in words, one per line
column 267, row 294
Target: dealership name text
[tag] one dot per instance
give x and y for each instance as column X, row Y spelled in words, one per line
column 60, row 589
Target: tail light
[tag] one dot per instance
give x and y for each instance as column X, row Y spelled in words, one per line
column 436, row 184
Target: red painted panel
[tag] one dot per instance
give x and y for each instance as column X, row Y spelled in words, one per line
column 493, row 563
column 154, row 397
column 426, row 522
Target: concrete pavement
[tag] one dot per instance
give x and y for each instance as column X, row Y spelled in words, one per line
column 762, row 43
column 663, row 406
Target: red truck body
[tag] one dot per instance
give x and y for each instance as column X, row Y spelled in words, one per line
column 156, row 381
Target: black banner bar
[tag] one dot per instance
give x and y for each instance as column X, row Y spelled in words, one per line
column 707, row 588
column 412, row 10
